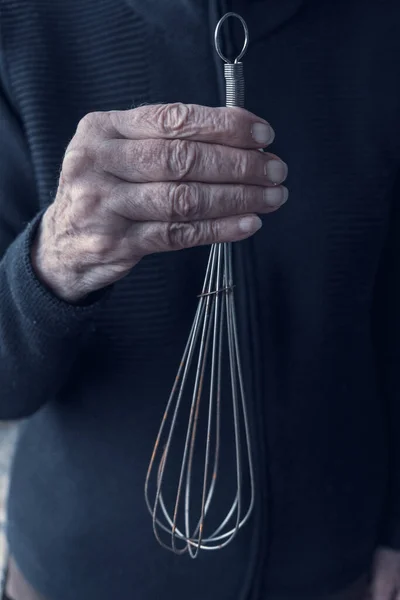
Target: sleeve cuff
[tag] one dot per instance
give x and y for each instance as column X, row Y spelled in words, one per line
column 35, row 302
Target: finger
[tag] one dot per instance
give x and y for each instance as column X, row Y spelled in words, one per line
column 148, row 238
column 192, row 201
column 179, row 160
column 230, row 126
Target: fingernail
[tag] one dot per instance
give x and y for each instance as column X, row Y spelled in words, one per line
column 276, row 196
column 276, row 170
column 263, row 134
column 250, row 224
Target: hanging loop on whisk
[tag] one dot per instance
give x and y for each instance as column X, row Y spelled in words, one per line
column 233, row 71
column 218, row 36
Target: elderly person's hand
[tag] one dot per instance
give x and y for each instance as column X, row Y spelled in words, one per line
column 154, row 179
column 385, row 576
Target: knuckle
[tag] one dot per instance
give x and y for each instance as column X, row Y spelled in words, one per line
column 173, row 119
column 94, row 123
column 240, row 199
column 100, row 247
column 182, row 235
column 76, row 163
column 84, row 213
column 181, row 159
column 183, row 202
column 85, row 205
column 87, row 123
column 227, row 117
column 241, row 164
column 116, row 118
column 214, row 231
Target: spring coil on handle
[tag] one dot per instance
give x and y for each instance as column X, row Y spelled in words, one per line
column 234, row 84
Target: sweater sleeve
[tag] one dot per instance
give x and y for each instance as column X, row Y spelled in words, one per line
column 40, row 335
column 386, row 322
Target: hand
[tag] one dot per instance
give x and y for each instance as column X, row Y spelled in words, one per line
column 385, row 577
column 153, row 179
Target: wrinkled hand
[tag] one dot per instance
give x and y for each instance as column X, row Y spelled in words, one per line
column 153, row 179
column 385, row 577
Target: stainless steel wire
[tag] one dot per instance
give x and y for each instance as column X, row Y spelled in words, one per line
column 212, row 360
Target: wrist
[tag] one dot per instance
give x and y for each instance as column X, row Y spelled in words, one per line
column 50, row 271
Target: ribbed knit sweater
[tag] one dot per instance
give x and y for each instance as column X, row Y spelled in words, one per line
column 323, row 273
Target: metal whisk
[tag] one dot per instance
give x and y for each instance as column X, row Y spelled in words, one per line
column 211, row 358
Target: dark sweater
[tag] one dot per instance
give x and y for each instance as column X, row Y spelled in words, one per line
column 324, row 280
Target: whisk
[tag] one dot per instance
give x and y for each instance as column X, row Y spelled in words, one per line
column 211, row 357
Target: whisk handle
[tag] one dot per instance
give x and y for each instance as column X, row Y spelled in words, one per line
column 233, row 70
column 234, row 79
